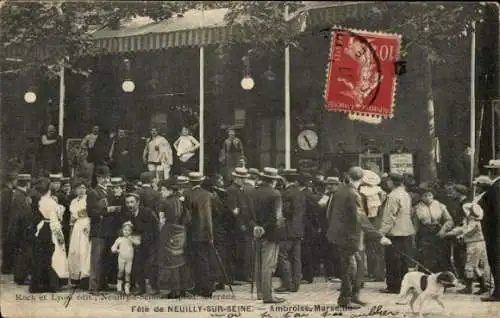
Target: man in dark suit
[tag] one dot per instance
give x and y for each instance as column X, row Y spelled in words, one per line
column 289, row 257
column 21, row 230
column 201, row 236
column 346, row 223
column 266, row 229
column 5, row 201
column 239, row 204
column 119, row 154
column 146, row 226
column 491, row 201
column 103, row 229
column 331, row 261
column 150, row 198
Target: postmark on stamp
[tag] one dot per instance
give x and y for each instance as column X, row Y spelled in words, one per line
column 361, row 74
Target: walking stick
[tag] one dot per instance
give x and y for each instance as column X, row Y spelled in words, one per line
column 219, row 261
column 254, row 248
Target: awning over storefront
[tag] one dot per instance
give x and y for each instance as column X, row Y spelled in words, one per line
column 196, row 28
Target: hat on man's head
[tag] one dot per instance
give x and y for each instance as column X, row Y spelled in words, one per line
column 396, row 176
column 355, row 173
column 132, row 194
column 370, row 178
column 79, row 182
column 483, row 180
column 493, row 164
column 181, row 180
column 253, row 173
column 147, row 177
column 240, row 172
column 332, row 180
column 290, row 174
column 168, row 183
column 305, row 177
column 116, row 181
column 270, row 173
column 65, row 180
column 24, row 177
column 196, row 177
column 474, row 210
column 102, row 171
column 55, row 177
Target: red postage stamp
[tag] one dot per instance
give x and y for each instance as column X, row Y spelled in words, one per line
column 361, row 74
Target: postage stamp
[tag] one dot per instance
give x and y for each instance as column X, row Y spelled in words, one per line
column 361, row 73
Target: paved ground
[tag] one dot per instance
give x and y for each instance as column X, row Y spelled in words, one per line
column 16, row 301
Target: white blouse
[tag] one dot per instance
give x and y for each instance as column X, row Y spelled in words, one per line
column 77, row 205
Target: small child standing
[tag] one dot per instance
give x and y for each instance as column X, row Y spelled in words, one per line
column 124, row 246
column 476, row 265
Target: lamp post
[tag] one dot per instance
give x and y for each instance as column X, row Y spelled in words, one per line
column 30, row 96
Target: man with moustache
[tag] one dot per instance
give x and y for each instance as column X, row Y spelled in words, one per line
column 147, row 227
column 103, row 218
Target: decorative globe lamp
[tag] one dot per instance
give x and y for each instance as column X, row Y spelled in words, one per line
column 29, row 97
column 247, row 83
column 128, row 86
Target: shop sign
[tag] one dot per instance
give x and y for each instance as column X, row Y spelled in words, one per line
column 401, row 163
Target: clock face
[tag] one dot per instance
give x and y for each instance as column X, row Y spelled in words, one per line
column 307, row 139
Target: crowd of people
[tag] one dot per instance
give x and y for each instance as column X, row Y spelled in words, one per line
column 189, row 234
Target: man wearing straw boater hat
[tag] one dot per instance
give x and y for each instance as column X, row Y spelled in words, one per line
column 238, row 201
column 268, row 220
column 201, row 236
column 491, row 202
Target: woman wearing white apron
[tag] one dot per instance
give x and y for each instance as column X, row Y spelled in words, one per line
column 79, row 247
column 48, row 248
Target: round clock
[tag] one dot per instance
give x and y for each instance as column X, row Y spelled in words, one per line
column 307, row 139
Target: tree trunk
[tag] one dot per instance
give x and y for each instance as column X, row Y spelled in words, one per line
column 430, row 162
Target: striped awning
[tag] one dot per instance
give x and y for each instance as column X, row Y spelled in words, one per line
column 195, row 28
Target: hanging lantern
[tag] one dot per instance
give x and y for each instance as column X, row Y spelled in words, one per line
column 30, row 97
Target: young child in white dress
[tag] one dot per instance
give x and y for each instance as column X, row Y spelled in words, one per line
column 124, row 246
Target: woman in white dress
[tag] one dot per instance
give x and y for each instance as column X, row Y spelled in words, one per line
column 49, row 251
column 79, row 247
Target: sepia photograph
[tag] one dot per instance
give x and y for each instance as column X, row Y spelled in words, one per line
column 249, row 159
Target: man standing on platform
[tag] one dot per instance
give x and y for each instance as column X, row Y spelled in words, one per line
column 347, row 221
column 158, row 155
column 119, row 155
column 201, row 236
column 491, row 201
column 50, row 151
column 289, row 257
column 268, row 222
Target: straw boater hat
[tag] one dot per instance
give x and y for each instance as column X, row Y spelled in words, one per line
column 196, row 177
column 24, row 177
column 290, row 174
column 240, row 172
column 370, row 178
column 474, row 210
column 56, row 177
column 493, row 164
column 482, row 180
column 65, row 180
column 332, row 180
column 270, row 173
column 116, row 181
column 182, row 180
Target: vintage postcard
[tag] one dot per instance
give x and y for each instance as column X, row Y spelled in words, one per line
column 190, row 159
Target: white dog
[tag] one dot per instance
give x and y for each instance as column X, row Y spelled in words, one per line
column 423, row 287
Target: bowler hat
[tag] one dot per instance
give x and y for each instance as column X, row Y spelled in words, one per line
column 181, row 180
column 168, row 183
column 196, row 177
column 396, row 176
column 270, row 173
column 102, row 171
column 332, row 180
column 460, row 188
column 240, row 172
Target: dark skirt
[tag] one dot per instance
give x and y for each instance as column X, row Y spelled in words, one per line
column 433, row 251
column 177, row 279
column 43, row 277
